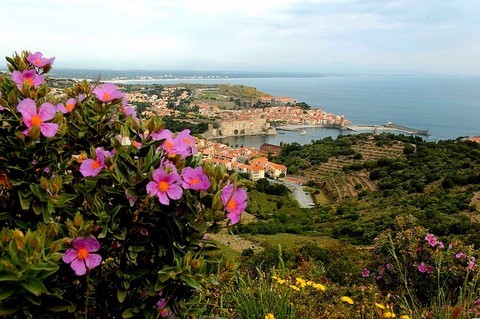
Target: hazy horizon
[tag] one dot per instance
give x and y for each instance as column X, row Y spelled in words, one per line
column 307, row 36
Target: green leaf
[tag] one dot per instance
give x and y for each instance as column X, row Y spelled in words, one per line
column 128, row 313
column 191, row 282
column 58, row 308
column 24, row 201
column 34, row 286
column 4, row 276
column 7, row 311
column 121, row 293
column 6, row 291
column 64, row 198
column 33, row 299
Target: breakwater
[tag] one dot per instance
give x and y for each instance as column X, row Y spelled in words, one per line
column 389, row 126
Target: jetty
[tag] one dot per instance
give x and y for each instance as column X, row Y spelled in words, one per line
column 389, row 126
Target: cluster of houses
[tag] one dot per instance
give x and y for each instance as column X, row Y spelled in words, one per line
column 169, row 95
column 250, row 161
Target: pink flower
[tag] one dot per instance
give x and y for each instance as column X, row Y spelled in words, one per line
column 130, row 111
column 430, row 269
column 432, row 240
column 184, row 144
column 459, row 255
column 235, row 202
column 162, row 307
column 68, row 107
column 195, row 178
column 131, row 198
column 168, row 144
column 38, row 60
column 107, row 92
column 28, row 109
column 166, row 185
column 80, row 258
column 29, row 77
column 441, row 245
column 389, row 266
column 471, row 265
column 91, row 167
column 422, row 268
column 365, row 273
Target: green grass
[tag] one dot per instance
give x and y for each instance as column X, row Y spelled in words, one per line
column 290, row 241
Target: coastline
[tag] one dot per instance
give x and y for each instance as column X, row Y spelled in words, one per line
column 353, row 128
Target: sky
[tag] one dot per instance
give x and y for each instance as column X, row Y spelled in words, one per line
column 323, row 36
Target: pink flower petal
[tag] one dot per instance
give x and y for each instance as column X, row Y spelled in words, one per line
column 17, row 77
column 174, row 191
column 61, row 108
column 152, row 188
column 159, row 174
column 162, row 197
column 234, row 217
column 38, row 80
column 47, row 111
column 28, row 109
column 49, row 129
column 91, row 244
column 86, row 168
column 79, row 267
column 70, row 255
column 93, row 260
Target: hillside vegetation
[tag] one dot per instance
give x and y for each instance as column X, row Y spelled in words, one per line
column 366, row 181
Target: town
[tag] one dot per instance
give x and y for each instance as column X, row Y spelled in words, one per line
column 238, row 114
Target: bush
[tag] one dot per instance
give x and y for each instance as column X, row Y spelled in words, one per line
column 415, row 264
column 102, row 214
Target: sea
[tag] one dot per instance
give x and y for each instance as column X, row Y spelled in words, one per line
column 448, row 106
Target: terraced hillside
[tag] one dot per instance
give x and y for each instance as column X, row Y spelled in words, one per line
column 339, row 185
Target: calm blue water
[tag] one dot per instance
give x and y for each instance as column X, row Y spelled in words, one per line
column 448, row 106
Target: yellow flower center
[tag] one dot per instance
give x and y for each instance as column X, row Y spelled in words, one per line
column 187, row 141
column 35, row 120
column 82, row 253
column 106, row 96
column 69, row 106
column 96, row 164
column 163, row 186
column 194, row 181
column 231, row 204
column 168, row 145
column 29, row 81
column 38, row 61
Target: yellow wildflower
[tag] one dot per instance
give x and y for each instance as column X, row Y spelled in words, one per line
column 275, row 277
column 320, row 287
column 301, row 282
column 269, row 316
column 294, row 287
column 389, row 314
column 281, row 281
column 404, row 317
column 347, row 300
column 310, row 283
column 379, row 305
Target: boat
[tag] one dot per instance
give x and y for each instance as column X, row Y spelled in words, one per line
column 302, row 132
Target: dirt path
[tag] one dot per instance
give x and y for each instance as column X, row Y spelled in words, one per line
column 236, row 242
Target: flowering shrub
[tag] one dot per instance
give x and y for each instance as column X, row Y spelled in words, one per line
column 102, row 214
column 423, row 271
